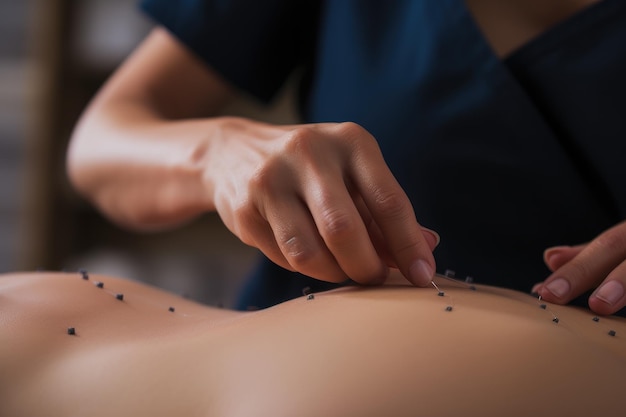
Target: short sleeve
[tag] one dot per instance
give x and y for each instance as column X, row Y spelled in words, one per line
column 254, row 44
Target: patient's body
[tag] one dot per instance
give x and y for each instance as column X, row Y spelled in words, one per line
column 71, row 348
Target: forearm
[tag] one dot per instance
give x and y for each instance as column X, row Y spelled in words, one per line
column 315, row 198
column 140, row 170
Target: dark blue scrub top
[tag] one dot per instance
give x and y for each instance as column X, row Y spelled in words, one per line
column 503, row 158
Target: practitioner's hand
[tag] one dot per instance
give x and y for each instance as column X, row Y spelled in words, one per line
column 318, row 199
column 599, row 264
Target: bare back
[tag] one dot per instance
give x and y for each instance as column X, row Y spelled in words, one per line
column 72, row 348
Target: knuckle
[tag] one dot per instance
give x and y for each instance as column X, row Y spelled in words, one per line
column 265, row 178
column 337, row 225
column 261, row 179
column 391, row 204
column 243, row 204
column 408, row 247
column 298, row 253
column 300, row 142
column 577, row 270
column 350, row 129
column 243, row 208
column 613, row 242
column 356, row 136
column 246, row 221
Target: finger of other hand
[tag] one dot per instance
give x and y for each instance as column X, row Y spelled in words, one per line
column 588, row 268
column 610, row 295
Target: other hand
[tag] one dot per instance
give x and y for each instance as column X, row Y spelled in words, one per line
column 599, row 264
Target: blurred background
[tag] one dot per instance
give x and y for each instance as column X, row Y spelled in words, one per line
column 54, row 55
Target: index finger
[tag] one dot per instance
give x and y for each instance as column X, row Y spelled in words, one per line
column 393, row 212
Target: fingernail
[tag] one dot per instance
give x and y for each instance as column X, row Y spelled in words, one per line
column 421, row 273
column 432, row 237
column 611, row 292
column 536, row 287
column 559, row 287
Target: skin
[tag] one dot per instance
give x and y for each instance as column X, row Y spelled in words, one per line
column 151, row 152
column 599, row 264
column 356, row 351
column 331, row 178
